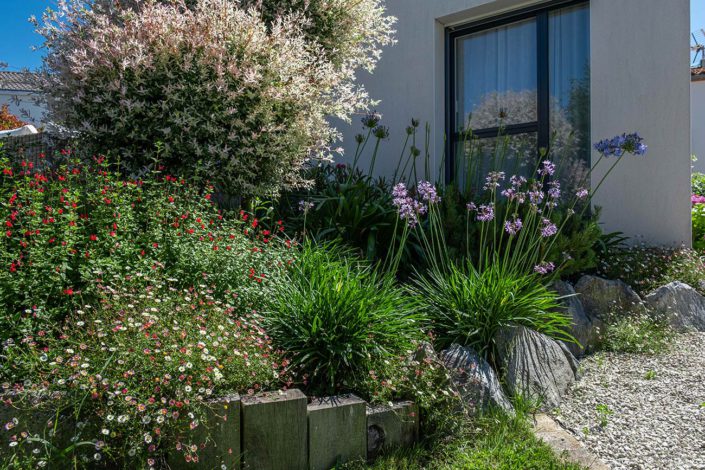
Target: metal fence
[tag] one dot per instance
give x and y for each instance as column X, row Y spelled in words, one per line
column 32, row 147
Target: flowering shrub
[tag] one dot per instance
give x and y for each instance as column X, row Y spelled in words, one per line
column 337, row 319
column 519, row 217
column 130, row 376
column 241, row 98
column 470, row 301
column 698, row 218
column 71, row 229
column 646, row 268
column 698, row 183
column 350, row 32
column 8, row 121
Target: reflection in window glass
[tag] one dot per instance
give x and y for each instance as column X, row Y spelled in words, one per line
column 497, row 76
column 514, row 155
column 569, row 59
column 500, row 76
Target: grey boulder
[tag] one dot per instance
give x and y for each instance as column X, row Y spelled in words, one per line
column 584, row 329
column 681, row 306
column 535, row 366
column 475, row 380
column 603, row 298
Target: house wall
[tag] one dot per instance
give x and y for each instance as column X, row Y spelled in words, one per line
column 640, row 82
column 697, row 119
column 24, row 105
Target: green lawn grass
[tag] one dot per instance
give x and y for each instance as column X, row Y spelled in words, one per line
column 495, row 441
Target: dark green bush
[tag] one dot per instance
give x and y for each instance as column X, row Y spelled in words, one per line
column 348, row 206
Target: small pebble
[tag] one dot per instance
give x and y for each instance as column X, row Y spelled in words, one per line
column 631, row 422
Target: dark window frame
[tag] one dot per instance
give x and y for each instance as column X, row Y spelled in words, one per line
column 541, row 126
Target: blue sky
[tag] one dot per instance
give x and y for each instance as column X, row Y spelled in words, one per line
column 17, row 36
column 697, row 17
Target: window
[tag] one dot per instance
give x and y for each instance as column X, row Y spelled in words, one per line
column 523, row 79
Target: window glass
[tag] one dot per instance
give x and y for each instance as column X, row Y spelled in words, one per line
column 569, row 61
column 512, row 154
column 496, row 78
column 500, row 75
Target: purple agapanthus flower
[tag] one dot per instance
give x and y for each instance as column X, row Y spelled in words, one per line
column 548, row 168
column 548, row 228
column 485, row 213
column 493, row 178
column 621, row 144
column 399, row 191
column 517, row 181
column 509, row 193
column 544, row 268
column 582, row 193
column 536, row 196
column 554, row 190
column 471, row 207
column 513, row 195
column 428, row 192
column 305, row 206
column 409, row 208
column 512, row 227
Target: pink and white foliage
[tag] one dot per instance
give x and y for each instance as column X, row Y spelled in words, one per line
column 241, row 99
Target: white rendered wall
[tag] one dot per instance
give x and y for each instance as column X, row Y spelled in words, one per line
column 640, row 81
column 697, row 119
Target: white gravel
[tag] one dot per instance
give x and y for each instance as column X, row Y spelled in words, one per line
column 656, row 423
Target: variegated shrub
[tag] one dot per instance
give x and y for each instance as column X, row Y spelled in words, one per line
column 239, row 94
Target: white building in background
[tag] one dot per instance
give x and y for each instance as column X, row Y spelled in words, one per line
column 546, row 70
column 19, row 91
column 697, row 113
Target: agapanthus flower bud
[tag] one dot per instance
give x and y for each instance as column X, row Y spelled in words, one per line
column 381, row 132
column 371, row 119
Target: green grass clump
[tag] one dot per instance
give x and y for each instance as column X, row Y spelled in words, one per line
column 468, row 306
column 495, row 441
column 337, row 319
column 637, row 335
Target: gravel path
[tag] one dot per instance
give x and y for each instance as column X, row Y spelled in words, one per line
column 642, row 412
